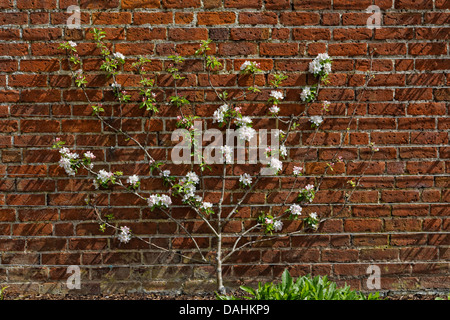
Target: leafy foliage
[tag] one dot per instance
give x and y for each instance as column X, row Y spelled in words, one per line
column 305, row 288
column 2, row 293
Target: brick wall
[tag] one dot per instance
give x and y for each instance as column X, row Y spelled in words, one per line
column 398, row 218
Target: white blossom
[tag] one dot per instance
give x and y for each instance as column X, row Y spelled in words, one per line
column 165, row 173
column 319, row 64
column 72, row 44
column 159, row 200
column 67, row 165
column 316, row 120
column 244, row 121
column 245, row 65
column 315, row 66
column 313, row 215
column 89, row 155
column 283, row 151
column 268, row 221
column 206, row 205
column 189, row 191
column 309, row 187
column 103, row 176
column 245, row 179
column 165, row 200
column 132, row 180
column 66, row 160
column 274, row 109
column 276, row 164
column 322, row 57
column 327, row 67
column 277, row 225
column 227, row 153
column 295, row 209
column 277, row 95
column 306, row 92
column 65, row 152
column 119, row 55
column 297, row 170
column 192, row 177
column 124, row 235
column 219, row 114
column 116, row 85
column 246, row 133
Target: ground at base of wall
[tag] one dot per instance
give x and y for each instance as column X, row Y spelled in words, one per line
column 155, row 296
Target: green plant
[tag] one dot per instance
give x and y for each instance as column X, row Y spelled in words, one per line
column 439, row 298
column 305, row 288
column 2, row 293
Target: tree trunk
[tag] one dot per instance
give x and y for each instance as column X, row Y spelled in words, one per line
column 220, row 286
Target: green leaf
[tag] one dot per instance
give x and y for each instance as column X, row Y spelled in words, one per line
column 249, row 290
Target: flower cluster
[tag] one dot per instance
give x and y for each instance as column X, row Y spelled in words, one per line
column 308, row 94
column 119, row 56
column 295, row 210
column 250, row 67
column 104, row 176
column 188, row 186
column 275, row 164
column 312, row 221
column 69, row 161
column 227, row 153
column 243, row 121
column 316, row 121
column 159, row 201
column 270, row 224
column 307, row 193
column 124, row 235
column 274, row 109
column 321, row 65
column 246, row 133
column 245, row 180
column 133, row 181
column 207, row 207
column 275, row 97
column 220, row 114
column 298, row 171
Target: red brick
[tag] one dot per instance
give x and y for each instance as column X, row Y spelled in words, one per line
column 278, row 49
column 347, row 49
column 399, row 196
column 254, row 4
column 311, row 4
column 152, row 18
column 215, row 18
column 133, row 4
column 299, row 18
column 183, row 34
column 278, row 4
column 179, row 4
column 363, row 225
column 436, row 49
column 350, row 5
column 32, row 4
column 258, row 18
column 414, row 4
